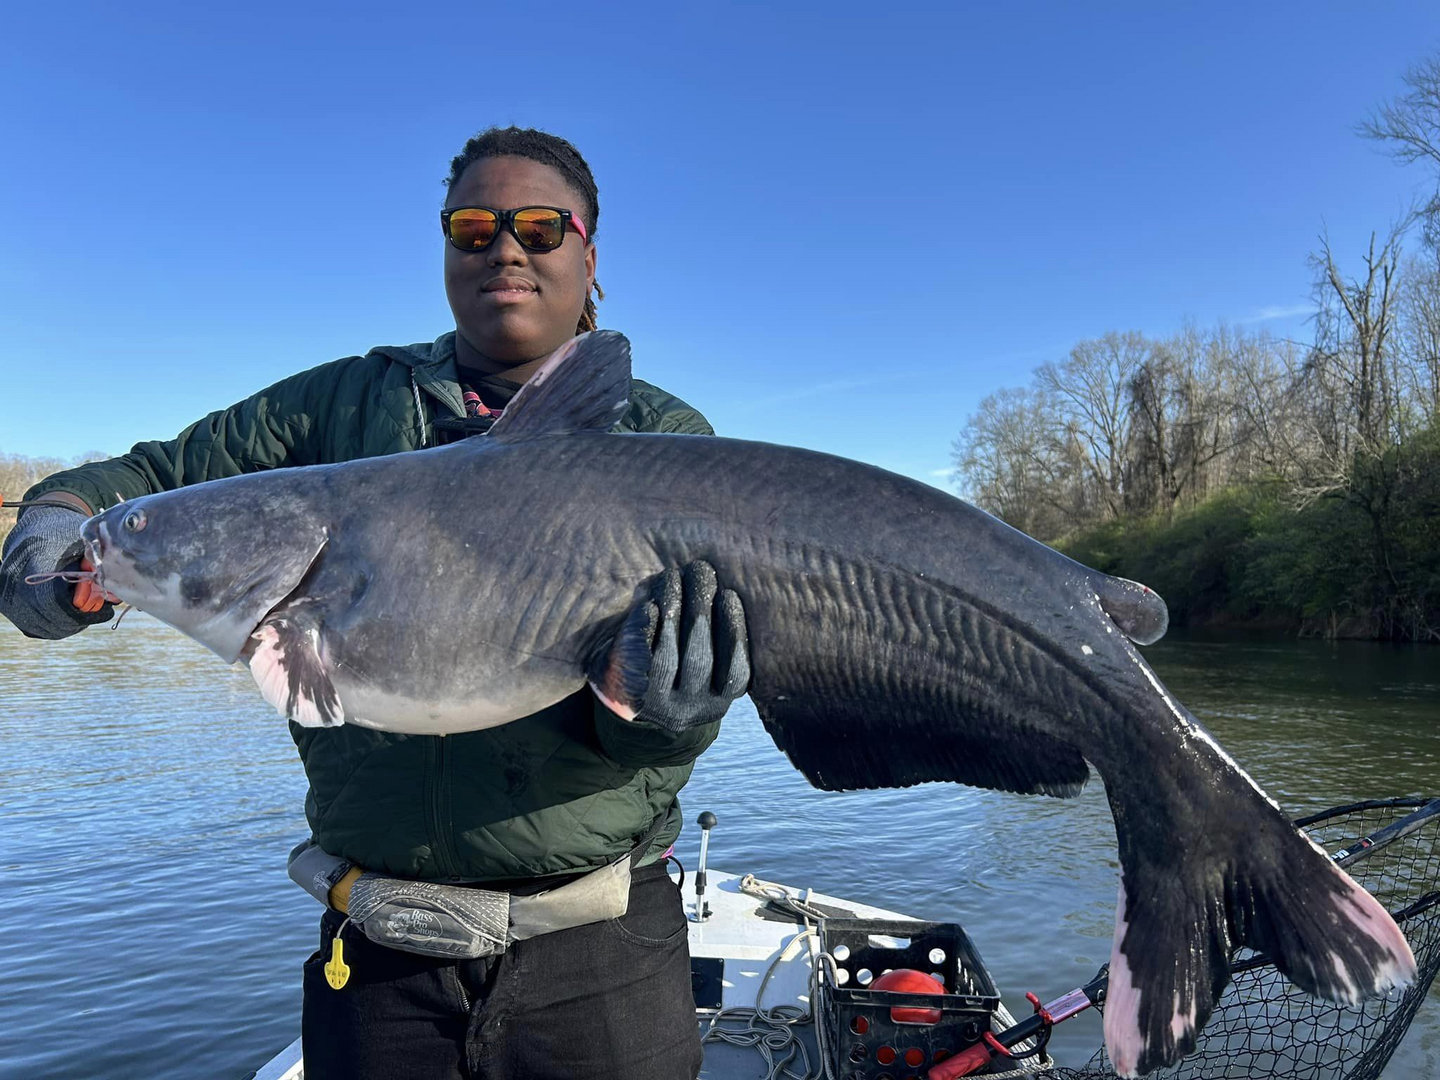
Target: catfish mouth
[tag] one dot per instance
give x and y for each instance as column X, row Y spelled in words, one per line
column 109, row 565
column 96, row 560
column 95, row 575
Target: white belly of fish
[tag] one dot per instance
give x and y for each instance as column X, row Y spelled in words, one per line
column 372, row 708
column 291, row 669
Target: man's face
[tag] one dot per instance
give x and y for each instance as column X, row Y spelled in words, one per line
column 512, row 304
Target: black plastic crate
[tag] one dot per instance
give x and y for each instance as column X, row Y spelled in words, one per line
column 862, row 1041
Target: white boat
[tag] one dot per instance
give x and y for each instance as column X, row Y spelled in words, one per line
column 757, row 960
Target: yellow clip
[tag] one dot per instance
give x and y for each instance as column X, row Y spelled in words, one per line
column 337, row 972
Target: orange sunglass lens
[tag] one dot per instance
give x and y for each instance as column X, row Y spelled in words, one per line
column 472, row 229
column 539, row 228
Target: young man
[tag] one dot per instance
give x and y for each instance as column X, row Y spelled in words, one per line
column 522, row 808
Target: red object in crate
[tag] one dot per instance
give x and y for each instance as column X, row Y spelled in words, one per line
column 910, row 981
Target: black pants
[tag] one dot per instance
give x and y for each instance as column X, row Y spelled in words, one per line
column 608, row 1000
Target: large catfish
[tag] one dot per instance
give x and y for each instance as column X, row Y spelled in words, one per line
column 897, row 634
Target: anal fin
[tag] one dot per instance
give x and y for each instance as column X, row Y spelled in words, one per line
column 854, row 745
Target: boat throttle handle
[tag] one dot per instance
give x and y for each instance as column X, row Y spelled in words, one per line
column 706, row 821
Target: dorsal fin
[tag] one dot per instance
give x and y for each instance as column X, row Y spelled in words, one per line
column 1136, row 609
column 584, row 386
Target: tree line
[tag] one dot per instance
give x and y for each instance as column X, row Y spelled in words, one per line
column 1249, row 476
column 19, row 473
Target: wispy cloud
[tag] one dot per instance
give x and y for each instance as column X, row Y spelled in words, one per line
column 951, row 471
column 1279, row 311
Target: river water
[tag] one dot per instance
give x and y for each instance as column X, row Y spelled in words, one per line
column 148, row 798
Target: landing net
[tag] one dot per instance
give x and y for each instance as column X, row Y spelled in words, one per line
column 1263, row 1027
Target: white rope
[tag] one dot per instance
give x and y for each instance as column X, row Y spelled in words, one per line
column 419, row 409
column 770, row 1031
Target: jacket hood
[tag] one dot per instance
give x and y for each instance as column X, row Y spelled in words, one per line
column 432, row 368
column 423, row 354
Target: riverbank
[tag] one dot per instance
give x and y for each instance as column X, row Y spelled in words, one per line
column 1248, row 560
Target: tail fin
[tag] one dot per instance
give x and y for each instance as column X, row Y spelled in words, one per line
column 1187, row 901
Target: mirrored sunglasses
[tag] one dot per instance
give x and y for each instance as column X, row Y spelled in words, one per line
column 537, row 228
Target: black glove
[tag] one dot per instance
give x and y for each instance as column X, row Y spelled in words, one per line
column 681, row 657
column 44, row 540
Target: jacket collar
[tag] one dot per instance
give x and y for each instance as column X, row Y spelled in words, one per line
column 432, row 366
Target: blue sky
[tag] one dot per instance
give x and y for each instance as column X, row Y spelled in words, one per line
column 828, row 225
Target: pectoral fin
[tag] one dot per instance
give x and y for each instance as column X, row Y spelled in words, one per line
column 286, row 664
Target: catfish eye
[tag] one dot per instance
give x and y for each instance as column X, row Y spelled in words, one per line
column 134, row 521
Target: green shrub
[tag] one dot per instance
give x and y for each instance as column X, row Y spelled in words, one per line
column 1248, row 555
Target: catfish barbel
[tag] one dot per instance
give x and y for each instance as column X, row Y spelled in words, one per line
column 898, row 635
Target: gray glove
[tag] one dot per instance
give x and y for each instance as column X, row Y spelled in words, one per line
column 44, row 540
column 683, row 656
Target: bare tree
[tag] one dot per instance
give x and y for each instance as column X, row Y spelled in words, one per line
column 1353, row 386
column 1417, row 337
column 1350, row 377
column 19, row 473
column 1122, row 425
column 1008, row 460
column 1183, row 421
column 1410, row 125
column 1091, row 387
column 1264, row 373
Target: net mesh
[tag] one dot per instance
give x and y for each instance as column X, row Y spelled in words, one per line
column 1265, row 1027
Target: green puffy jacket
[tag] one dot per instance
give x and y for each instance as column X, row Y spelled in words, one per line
column 564, row 790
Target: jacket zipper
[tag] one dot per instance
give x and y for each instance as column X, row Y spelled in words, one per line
column 441, row 847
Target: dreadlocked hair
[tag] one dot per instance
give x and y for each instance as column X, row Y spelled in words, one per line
column 547, row 149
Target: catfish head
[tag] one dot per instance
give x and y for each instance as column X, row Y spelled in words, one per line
column 210, row 560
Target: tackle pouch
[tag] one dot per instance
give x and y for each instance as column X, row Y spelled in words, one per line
column 445, row 921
